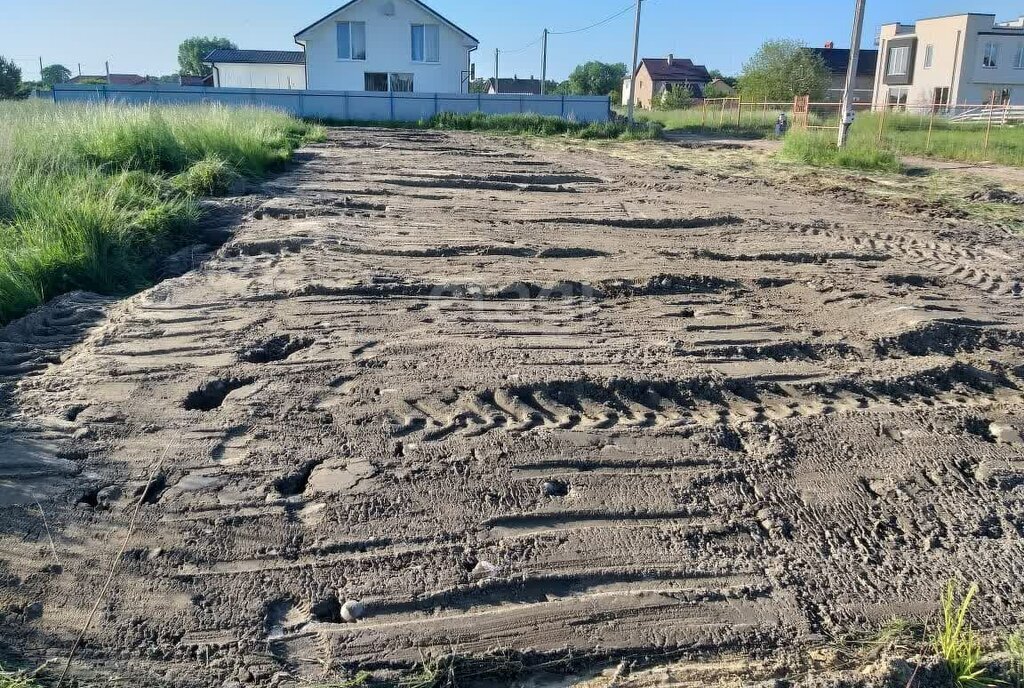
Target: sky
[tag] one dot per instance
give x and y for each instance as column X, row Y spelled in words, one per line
column 141, row 36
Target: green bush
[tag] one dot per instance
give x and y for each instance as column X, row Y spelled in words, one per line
column 87, row 198
column 821, row 150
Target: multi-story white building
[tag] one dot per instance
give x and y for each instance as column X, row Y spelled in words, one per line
column 364, row 45
column 387, row 45
column 962, row 59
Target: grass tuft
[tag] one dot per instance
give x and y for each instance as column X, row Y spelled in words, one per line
column 16, row 679
column 452, row 671
column 208, row 177
column 957, row 642
column 821, row 150
column 1015, row 648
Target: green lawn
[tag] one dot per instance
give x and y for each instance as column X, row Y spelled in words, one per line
column 92, row 197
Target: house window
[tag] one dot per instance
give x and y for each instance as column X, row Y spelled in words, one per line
column 991, row 59
column 351, row 40
column 999, row 97
column 899, row 59
column 929, row 56
column 898, row 97
column 401, row 83
column 383, row 82
column 426, row 43
column 377, row 81
column 940, row 98
column 1019, row 62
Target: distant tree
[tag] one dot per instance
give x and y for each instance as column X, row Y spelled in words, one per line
column 676, row 98
column 55, row 74
column 193, row 50
column 27, row 88
column 783, row 69
column 10, row 79
column 716, row 74
column 596, row 79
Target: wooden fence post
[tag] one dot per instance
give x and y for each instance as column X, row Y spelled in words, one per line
column 739, row 112
column 704, row 114
column 721, row 117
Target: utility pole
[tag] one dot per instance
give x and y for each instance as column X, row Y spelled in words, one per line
column 40, row 67
column 496, row 53
column 851, row 74
column 79, row 69
column 636, row 58
column 544, row 65
column 107, row 63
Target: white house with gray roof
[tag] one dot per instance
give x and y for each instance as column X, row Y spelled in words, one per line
column 280, row 69
column 387, row 45
column 364, row 45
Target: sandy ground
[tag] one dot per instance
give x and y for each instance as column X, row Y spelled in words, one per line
column 508, row 397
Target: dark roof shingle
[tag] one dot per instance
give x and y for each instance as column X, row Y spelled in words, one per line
column 290, row 57
column 838, row 60
column 679, row 69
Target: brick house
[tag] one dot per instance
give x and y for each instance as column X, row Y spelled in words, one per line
column 655, row 76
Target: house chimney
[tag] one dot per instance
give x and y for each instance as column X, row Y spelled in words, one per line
column 829, row 45
column 671, row 57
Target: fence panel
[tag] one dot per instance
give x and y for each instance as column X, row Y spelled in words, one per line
column 345, row 105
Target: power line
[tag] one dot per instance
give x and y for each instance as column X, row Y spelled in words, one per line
column 524, row 48
column 604, row 21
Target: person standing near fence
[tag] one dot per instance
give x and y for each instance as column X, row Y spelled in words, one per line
column 781, row 125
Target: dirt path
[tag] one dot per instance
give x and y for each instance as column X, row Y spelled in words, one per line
column 510, row 399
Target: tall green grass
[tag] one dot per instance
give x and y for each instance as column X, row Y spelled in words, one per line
column 907, row 134
column 92, row 197
column 820, row 149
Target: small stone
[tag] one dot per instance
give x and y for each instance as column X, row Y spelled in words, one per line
column 483, row 570
column 352, row 611
column 34, row 610
column 109, row 494
column 83, row 434
column 554, row 488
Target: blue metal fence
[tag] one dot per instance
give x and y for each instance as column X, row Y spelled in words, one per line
column 345, row 105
